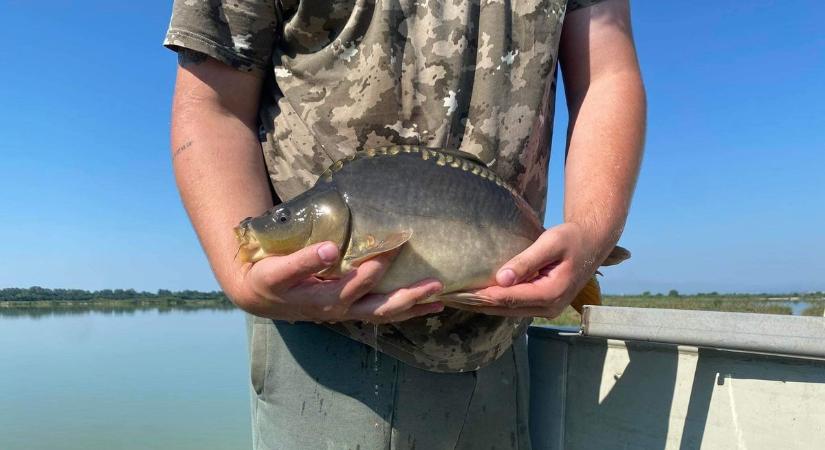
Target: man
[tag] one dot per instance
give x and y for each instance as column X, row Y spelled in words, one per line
column 285, row 87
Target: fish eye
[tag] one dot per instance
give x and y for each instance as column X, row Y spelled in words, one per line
column 282, row 216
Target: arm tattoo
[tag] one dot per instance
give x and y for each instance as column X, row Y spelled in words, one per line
column 180, row 149
column 187, row 57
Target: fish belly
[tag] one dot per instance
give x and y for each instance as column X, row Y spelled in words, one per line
column 461, row 255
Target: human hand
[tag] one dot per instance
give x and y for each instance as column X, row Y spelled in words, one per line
column 545, row 278
column 285, row 288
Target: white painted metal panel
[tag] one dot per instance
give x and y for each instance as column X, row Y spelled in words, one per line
column 791, row 335
column 638, row 395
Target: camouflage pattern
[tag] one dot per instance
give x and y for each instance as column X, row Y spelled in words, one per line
column 343, row 75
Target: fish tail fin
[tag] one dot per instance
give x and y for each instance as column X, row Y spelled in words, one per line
column 589, row 295
column 617, row 255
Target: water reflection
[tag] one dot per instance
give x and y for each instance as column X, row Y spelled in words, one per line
column 128, row 378
column 40, row 312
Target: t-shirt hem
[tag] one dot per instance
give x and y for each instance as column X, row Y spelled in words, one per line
column 428, row 363
column 580, row 4
column 177, row 38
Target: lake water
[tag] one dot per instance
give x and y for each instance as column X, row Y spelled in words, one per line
column 142, row 380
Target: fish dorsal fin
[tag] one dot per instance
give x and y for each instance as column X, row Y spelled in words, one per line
column 362, row 248
column 617, row 255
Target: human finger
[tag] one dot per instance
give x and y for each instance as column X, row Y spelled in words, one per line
column 535, row 293
column 334, row 297
column 378, row 308
column 547, row 249
column 365, row 277
column 278, row 273
column 416, row 311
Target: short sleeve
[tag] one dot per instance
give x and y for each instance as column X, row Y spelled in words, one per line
column 573, row 5
column 240, row 33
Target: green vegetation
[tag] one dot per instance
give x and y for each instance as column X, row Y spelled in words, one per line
column 811, row 304
column 814, row 310
column 38, row 301
column 37, row 294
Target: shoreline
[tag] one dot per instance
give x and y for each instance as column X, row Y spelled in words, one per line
column 790, row 304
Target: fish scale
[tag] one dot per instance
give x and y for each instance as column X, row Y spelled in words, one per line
column 452, row 218
column 470, row 190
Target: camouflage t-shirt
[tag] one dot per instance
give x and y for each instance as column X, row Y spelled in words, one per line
column 342, row 75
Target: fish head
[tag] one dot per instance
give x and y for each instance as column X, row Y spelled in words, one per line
column 312, row 217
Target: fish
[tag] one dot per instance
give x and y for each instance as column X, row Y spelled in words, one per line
column 446, row 213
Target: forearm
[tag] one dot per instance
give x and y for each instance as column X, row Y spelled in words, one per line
column 220, row 172
column 605, row 151
column 606, row 100
column 218, row 166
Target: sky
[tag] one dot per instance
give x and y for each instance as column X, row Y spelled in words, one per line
column 731, row 197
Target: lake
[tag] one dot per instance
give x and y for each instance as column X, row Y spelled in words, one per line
column 136, row 380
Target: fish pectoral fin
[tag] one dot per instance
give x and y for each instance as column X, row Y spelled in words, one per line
column 464, row 299
column 591, row 294
column 617, row 255
column 362, row 248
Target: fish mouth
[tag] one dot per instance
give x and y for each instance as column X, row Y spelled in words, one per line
column 249, row 247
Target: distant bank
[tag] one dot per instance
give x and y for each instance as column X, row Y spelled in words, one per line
column 804, row 304
column 36, row 301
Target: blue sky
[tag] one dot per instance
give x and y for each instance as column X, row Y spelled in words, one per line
column 731, row 196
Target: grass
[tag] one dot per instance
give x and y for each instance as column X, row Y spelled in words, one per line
column 814, row 310
column 726, row 303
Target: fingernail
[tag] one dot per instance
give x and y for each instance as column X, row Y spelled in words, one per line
column 328, row 253
column 506, row 277
column 436, row 308
column 435, row 289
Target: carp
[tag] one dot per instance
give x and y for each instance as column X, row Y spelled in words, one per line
column 453, row 218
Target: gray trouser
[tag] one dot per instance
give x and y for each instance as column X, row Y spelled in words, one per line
column 315, row 389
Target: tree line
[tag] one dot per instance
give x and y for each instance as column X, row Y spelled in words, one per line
column 37, row 293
